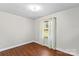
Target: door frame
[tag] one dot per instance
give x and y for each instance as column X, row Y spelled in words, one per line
column 55, row 31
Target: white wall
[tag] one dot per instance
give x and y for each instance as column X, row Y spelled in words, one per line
column 67, row 30
column 37, row 31
column 15, row 30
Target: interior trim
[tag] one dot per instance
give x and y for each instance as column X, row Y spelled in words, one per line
column 72, row 53
column 3, row 49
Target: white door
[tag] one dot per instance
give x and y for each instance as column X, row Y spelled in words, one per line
column 48, row 28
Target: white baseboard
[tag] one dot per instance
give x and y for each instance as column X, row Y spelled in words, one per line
column 72, row 53
column 39, row 42
column 3, row 49
column 69, row 52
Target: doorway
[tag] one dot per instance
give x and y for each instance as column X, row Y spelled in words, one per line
column 48, row 32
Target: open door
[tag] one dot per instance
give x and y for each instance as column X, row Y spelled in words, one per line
column 48, row 32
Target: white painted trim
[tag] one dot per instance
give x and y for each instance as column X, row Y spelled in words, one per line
column 63, row 50
column 39, row 43
column 69, row 52
column 3, row 49
column 72, row 53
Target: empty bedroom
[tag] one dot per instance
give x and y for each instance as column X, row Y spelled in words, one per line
column 39, row 29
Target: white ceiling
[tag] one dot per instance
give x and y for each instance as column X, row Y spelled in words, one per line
column 47, row 8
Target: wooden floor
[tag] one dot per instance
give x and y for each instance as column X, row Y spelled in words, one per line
column 32, row 49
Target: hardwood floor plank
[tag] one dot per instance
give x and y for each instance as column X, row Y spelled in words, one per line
column 32, row 49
